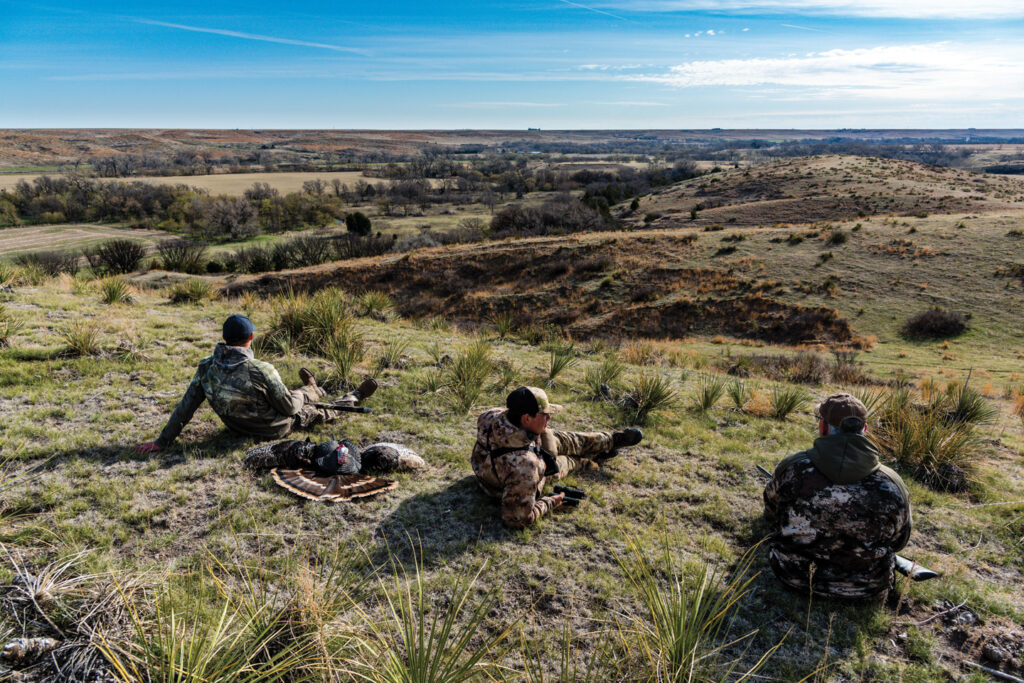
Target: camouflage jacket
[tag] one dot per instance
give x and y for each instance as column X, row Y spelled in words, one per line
column 839, row 518
column 246, row 393
column 516, row 476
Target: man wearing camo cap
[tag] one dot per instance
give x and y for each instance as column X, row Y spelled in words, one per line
column 516, row 452
column 839, row 516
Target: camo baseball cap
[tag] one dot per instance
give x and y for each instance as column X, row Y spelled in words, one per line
column 837, row 407
column 530, row 401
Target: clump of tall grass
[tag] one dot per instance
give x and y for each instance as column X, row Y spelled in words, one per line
column 964, row 404
column 8, row 274
column 605, row 374
column 563, row 356
column 375, row 304
column 81, row 338
column 709, row 390
column 923, row 440
column 9, row 326
column 786, row 400
column 190, row 291
column 344, row 350
column 466, row 376
column 687, row 623
column 649, row 394
column 504, row 323
column 641, row 353
column 114, row 290
column 393, row 354
column 739, row 393
column 32, row 275
column 507, row 374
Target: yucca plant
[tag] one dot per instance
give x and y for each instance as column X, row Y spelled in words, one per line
column 81, row 337
column 375, row 304
column 114, row 290
column 968, row 405
column 570, row 667
column 605, row 374
column 326, row 318
column 9, row 326
column 467, row 374
column 432, row 381
column 708, row 392
column 739, row 393
column 873, row 399
column 8, row 274
column 32, row 275
column 649, row 394
column 925, row 442
column 562, row 356
column 786, row 400
column 507, row 373
column 687, row 623
column 343, row 351
column 190, row 291
column 424, row 640
column 503, row 323
column 392, row 354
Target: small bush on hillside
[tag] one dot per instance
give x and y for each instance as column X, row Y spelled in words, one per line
column 114, row 290
column 353, row 246
column 375, row 304
column 725, row 251
column 739, row 393
column 115, row 257
column 467, row 375
column 837, row 237
column 53, row 263
column 606, row 374
column 191, row 291
column 182, row 255
column 503, row 322
column 936, row 323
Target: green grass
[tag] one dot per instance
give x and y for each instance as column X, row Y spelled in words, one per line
column 690, row 484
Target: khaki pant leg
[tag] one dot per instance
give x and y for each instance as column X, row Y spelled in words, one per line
column 571, row 448
column 310, row 415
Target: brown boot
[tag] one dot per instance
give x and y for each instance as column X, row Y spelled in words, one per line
column 366, row 389
column 307, row 377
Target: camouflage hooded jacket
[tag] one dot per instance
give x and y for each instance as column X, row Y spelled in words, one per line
column 515, row 476
column 246, row 393
column 839, row 517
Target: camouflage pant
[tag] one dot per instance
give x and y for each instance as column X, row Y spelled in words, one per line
column 310, row 414
column 572, row 448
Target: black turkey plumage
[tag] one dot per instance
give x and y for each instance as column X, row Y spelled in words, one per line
column 331, row 471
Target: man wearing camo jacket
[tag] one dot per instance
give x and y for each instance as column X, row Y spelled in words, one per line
column 516, row 453
column 839, row 516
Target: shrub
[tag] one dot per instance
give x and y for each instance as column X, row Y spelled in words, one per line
column 255, row 259
column 846, row 369
column 725, row 251
column 809, row 368
column 81, row 337
column 739, row 393
column 182, row 255
column 115, row 257
column 358, row 223
column 641, row 353
column 353, row 246
column 114, row 290
column 53, row 263
column 649, row 394
column 191, row 291
column 837, row 237
column 503, row 322
column 8, row 274
column 709, row 390
column 936, row 323
column 786, row 400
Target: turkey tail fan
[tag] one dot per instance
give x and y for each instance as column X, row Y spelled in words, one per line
column 334, row 488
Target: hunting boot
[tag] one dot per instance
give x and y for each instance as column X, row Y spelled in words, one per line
column 623, row 439
column 307, row 377
column 363, row 391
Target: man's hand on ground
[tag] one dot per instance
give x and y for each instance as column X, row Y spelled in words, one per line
column 556, row 501
column 146, row 448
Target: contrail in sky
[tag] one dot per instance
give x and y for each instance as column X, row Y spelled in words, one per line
column 254, row 36
column 592, row 9
column 803, row 28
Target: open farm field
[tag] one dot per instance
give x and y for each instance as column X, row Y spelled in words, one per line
column 14, row 241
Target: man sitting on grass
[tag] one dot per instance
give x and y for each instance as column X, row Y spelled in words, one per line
column 839, row 516
column 516, row 452
column 248, row 395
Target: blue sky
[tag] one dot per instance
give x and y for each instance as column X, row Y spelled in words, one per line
column 514, row 64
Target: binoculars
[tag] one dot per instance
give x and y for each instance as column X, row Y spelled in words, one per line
column 572, row 496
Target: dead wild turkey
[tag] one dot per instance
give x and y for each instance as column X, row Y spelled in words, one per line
column 331, row 471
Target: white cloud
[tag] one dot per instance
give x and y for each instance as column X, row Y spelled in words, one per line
column 711, row 33
column 918, row 9
column 631, row 104
column 936, row 71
